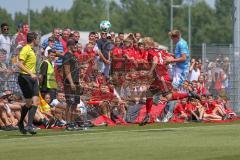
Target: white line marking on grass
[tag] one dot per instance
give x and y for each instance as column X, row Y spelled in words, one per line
column 114, row 132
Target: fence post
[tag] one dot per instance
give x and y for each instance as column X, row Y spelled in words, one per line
column 236, row 80
column 204, row 56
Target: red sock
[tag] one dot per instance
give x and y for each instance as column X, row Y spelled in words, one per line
column 177, row 95
column 149, row 103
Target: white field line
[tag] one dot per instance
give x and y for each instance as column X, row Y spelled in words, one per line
column 29, row 137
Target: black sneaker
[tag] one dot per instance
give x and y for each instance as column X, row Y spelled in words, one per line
column 32, row 130
column 21, row 128
column 10, row 128
column 2, row 128
column 60, row 124
column 88, row 124
column 45, row 122
column 224, row 117
column 145, row 120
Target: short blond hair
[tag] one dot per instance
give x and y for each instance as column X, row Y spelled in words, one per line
column 174, row 33
column 149, row 41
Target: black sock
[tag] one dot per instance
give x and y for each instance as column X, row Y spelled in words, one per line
column 31, row 115
column 24, row 111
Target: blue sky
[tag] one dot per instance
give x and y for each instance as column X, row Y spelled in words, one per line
column 13, row 6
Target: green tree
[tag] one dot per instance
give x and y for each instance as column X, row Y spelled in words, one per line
column 223, row 23
column 87, row 14
column 5, row 17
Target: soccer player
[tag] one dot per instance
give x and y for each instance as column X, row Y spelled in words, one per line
column 182, row 59
column 28, row 83
column 159, row 73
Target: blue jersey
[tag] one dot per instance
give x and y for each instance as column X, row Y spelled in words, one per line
column 182, row 47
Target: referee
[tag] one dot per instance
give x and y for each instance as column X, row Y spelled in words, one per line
column 28, row 83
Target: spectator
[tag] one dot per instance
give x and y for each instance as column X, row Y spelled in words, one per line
column 4, row 70
column 92, row 39
column 76, row 36
column 215, row 108
column 137, row 37
column 179, row 110
column 89, row 50
column 47, row 79
column 192, row 109
column 142, row 52
column 71, row 82
column 105, row 47
column 121, row 37
column 21, row 39
column 50, row 46
column 194, row 71
column 5, row 41
column 79, row 49
column 117, row 55
column 58, row 47
column 226, row 66
column 7, row 124
column 201, row 85
column 59, row 108
column 112, row 34
column 65, row 38
column 97, row 36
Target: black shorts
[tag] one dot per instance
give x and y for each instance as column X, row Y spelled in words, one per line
column 28, row 86
column 72, row 97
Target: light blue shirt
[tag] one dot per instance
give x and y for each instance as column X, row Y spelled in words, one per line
column 182, row 47
column 58, row 46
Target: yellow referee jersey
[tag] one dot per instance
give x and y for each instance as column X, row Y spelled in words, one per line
column 29, row 58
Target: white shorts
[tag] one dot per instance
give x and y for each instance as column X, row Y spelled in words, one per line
column 179, row 76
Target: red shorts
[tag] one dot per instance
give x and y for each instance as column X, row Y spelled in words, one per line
column 162, row 85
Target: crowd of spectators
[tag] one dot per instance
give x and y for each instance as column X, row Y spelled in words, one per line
column 108, row 72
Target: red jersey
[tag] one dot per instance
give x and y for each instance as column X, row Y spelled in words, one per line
column 212, row 106
column 143, row 54
column 178, row 109
column 98, row 95
column 201, row 89
column 64, row 43
column 161, row 69
column 21, row 39
column 190, row 107
column 117, row 63
column 117, row 52
column 130, row 52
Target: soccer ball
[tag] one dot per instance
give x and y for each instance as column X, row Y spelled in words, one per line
column 105, row 25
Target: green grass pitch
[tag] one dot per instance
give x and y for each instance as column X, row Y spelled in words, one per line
column 170, row 141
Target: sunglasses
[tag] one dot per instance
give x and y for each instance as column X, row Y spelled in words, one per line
column 104, row 33
column 5, row 29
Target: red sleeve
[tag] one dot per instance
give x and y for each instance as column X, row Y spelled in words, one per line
column 190, row 107
column 212, row 105
column 145, row 55
column 137, row 55
column 178, row 109
column 116, row 52
column 125, row 51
